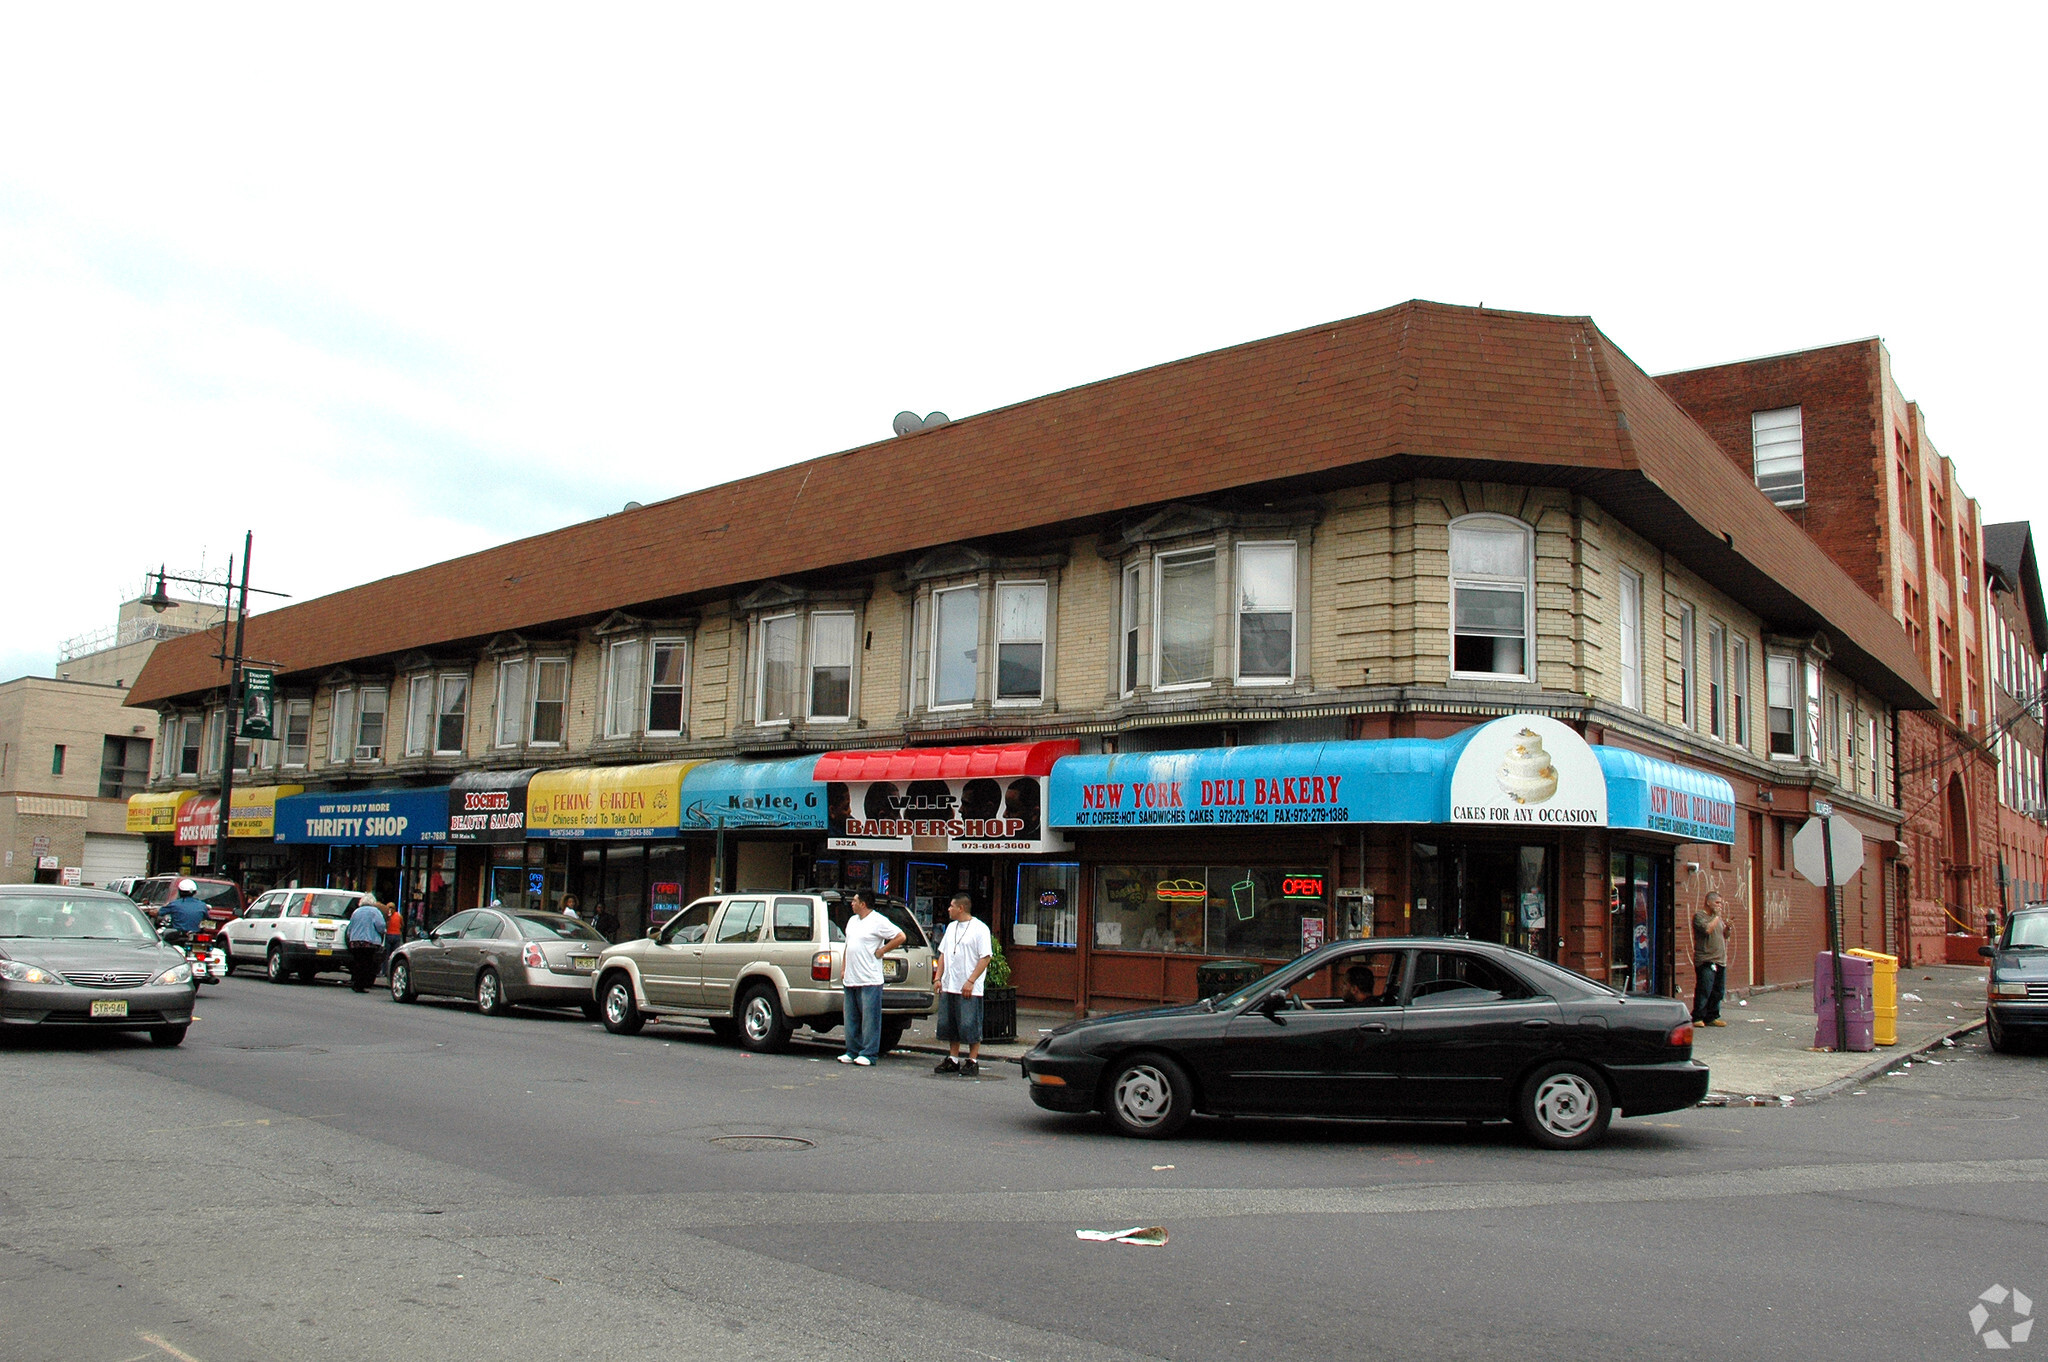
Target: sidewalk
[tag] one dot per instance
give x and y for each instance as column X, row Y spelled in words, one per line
column 1761, row 1054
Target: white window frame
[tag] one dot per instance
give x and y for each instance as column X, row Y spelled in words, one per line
column 363, row 751
column 1739, row 707
column 624, row 698
column 1717, row 680
column 419, row 714
column 1766, row 431
column 1688, row 664
column 808, row 643
column 198, row 747
column 1238, row 612
column 1042, row 640
column 341, row 726
column 286, row 711
column 1129, row 657
column 1526, row 584
column 1631, row 639
column 510, row 729
column 442, row 713
column 1790, row 665
column 1160, row 563
column 681, row 645
column 535, row 667
column 932, row 702
column 799, row 671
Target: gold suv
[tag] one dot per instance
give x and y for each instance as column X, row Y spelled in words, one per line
column 756, row 966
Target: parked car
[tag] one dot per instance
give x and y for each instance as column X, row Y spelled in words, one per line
column 85, row 957
column 223, row 898
column 757, row 965
column 292, row 933
column 1415, row 1029
column 502, row 958
column 2016, row 984
column 128, row 886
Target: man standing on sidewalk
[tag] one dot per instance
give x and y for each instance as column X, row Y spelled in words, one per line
column 963, row 959
column 1710, row 961
column 869, row 937
column 365, row 944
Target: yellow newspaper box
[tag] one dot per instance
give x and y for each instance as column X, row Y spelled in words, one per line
column 1884, row 995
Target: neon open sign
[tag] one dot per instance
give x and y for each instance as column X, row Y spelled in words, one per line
column 1301, row 887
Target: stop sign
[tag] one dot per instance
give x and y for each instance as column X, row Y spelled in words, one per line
column 1809, row 856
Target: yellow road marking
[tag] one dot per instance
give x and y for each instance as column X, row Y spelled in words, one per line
column 178, row 1353
column 229, row 1125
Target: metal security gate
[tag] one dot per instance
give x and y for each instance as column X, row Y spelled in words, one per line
column 111, row 856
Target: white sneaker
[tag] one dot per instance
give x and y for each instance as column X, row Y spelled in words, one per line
column 846, row 1059
column 863, row 1061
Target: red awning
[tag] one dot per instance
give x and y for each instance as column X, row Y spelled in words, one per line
column 945, row 763
column 198, row 822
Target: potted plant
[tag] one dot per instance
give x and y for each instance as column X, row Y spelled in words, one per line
column 998, row 999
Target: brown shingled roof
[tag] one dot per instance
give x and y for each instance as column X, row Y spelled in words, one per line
column 1415, row 390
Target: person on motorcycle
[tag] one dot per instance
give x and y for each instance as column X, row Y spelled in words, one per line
column 185, row 913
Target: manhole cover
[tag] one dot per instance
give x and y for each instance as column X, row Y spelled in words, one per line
column 758, row 1143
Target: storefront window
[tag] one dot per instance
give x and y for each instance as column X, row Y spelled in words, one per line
column 1210, row 910
column 1047, row 913
column 1187, row 618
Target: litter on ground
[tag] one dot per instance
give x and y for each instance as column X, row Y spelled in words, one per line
column 1150, row 1236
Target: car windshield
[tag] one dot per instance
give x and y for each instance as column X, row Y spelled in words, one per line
column 546, row 927
column 66, row 919
column 2028, row 929
column 838, row 914
column 1258, row 988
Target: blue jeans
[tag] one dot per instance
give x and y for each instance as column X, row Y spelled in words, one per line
column 864, row 1020
column 1709, row 987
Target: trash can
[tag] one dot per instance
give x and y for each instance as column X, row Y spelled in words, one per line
column 1218, row 977
column 1856, row 1001
column 1884, row 995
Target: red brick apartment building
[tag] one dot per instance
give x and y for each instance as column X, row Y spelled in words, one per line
column 2019, row 638
column 1827, row 435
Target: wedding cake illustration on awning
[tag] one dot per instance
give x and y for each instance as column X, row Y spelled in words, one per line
column 1527, row 776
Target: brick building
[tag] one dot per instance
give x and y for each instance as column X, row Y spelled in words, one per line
column 2019, row 624
column 71, row 754
column 1291, row 597
column 1827, row 435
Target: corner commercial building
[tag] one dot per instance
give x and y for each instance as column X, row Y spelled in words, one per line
column 1435, row 619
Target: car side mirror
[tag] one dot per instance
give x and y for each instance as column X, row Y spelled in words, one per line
column 1273, row 1001
column 1988, row 952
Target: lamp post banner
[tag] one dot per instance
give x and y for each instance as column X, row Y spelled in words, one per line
column 257, row 695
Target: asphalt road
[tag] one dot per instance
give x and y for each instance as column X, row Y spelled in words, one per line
column 316, row 1174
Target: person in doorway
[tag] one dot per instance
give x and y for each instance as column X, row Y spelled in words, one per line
column 570, row 904
column 1710, row 961
column 607, row 922
column 365, row 944
column 963, row 959
column 1159, row 936
column 869, row 937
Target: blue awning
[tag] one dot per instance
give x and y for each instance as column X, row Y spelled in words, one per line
column 365, row 818
column 1664, row 797
column 743, row 795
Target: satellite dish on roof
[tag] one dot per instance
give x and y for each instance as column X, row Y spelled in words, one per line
column 908, row 422
column 936, row 419
column 631, row 506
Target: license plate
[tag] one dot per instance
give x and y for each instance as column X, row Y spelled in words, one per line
column 583, row 962
column 323, row 951
column 899, row 970
column 110, row 1007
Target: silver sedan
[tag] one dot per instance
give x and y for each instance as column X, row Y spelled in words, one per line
column 87, row 958
column 501, row 958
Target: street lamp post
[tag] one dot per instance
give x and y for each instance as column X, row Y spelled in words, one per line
column 237, row 600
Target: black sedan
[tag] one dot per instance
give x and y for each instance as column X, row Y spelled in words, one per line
column 2016, row 1005
column 1412, row 1029
column 85, row 957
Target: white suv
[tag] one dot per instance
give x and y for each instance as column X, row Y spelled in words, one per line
column 292, row 933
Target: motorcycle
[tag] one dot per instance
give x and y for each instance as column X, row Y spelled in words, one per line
column 202, row 953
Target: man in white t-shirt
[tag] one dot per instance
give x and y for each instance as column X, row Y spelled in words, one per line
column 963, row 959
column 869, row 937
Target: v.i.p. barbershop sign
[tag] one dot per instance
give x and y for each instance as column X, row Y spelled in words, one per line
column 986, row 815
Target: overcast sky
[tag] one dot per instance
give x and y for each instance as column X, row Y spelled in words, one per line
column 387, row 286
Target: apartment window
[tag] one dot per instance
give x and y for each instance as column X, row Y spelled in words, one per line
column 1185, row 651
column 341, row 728
column 215, row 722
column 665, row 686
column 57, row 759
column 1133, row 580
column 298, row 731
column 124, row 767
column 550, row 700
column 780, row 697
column 511, row 701
column 1490, row 573
column 1781, row 684
column 1688, row 697
column 451, row 715
column 371, row 706
column 1631, row 639
column 622, row 688
column 1020, row 642
column 1779, row 446
column 419, row 715
column 1834, row 712
column 1265, row 613
column 956, row 636
column 188, row 747
column 1738, row 692
column 832, row 665
column 1717, row 681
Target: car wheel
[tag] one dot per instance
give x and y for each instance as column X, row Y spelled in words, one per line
column 2000, row 1042
column 402, row 990
column 490, row 994
column 621, row 1014
column 763, row 1028
column 168, row 1036
column 1564, row 1106
column 1149, row 1096
column 725, row 1029
column 892, row 1034
column 274, row 967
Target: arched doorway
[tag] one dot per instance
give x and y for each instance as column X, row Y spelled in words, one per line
column 1960, row 858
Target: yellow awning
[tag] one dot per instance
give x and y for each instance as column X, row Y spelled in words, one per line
column 606, row 801
column 156, row 811
column 254, row 812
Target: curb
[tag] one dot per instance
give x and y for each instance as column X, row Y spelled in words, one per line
column 1826, row 1090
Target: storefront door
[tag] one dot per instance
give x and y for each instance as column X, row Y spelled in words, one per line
column 1639, row 922
column 1488, row 891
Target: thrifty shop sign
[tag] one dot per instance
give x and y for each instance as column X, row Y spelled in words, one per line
column 1287, row 799
column 961, row 829
column 340, row 822
column 486, row 810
